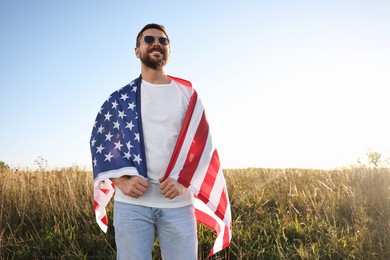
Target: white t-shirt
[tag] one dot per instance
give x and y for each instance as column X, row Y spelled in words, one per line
column 163, row 108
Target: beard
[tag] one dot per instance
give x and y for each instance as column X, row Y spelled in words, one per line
column 152, row 62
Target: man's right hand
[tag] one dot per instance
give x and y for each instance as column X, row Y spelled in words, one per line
column 133, row 186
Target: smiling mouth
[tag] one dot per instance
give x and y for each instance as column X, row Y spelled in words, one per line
column 158, row 50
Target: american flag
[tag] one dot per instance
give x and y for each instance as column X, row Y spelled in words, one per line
column 117, row 150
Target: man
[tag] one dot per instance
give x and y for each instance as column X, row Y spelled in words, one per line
column 151, row 142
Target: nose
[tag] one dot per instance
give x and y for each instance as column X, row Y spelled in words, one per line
column 157, row 41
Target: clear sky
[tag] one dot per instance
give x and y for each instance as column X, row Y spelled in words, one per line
column 284, row 83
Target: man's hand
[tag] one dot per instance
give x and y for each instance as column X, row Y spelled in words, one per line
column 171, row 188
column 133, row 186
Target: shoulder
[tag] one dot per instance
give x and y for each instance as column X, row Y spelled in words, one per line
column 126, row 93
column 181, row 81
column 184, row 85
column 131, row 87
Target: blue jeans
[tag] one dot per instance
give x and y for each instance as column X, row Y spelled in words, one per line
column 135, row 228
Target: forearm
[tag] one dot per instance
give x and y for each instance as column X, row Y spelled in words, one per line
column 120, row 179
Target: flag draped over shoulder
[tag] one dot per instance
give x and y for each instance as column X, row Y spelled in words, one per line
column 117, row 150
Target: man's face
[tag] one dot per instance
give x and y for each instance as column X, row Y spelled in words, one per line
column 153, row 55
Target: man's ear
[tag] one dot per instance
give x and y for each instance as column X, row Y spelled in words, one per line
column 137, row 52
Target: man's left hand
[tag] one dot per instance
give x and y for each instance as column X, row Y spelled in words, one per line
column 170, row 188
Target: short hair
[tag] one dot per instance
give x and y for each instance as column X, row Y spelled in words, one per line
column 150, row 26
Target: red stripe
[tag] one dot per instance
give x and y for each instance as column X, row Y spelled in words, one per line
column 105, row 220
column 182, row 135
column 182, row 81
column 212, row 223
column 95, row 205
column 226, row 237
column 195, row 152
column 222, row 205
column 211, row 176
column 105, row 191
column 207, row 220
column 225, row 240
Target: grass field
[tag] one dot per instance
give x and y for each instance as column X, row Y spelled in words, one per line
column 277, row 214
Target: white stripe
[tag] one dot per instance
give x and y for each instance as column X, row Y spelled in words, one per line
column 192, row 128
column 99, row 222
column 102, row 199
column 216, row 192
column 228, row 214
column 203, row 166
column 131, row 171
column 219, row 240
column 103, row 181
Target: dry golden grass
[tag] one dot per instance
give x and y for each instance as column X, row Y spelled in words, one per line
column 277, row 214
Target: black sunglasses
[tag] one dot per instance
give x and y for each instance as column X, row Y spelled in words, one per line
column 161, row 40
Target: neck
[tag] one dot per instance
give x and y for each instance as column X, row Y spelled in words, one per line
column 154, row 76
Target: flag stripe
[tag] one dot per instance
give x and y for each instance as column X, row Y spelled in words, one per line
column 183, row 132
column 206, row 217
column 131, row 171
column 188, row 138
column 195, row 152
column 222, row 206
column 201, row 170
column 209, row 180
column 216, row 191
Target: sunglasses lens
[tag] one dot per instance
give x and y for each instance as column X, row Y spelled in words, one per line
column 163, row 41
column 149, row 39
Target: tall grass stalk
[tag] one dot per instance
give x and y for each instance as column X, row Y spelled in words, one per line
column 277, row 214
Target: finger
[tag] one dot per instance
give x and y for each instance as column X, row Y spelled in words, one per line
column 140, row 188
column 170, row 194
column 135, row 196
column 131, row 194
column 169, row 189
column 173, row 193
column 144, row 183
column 141, row 181
column 163, row 184
column 164, row 191
column 137, row 193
